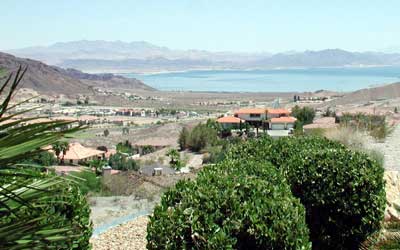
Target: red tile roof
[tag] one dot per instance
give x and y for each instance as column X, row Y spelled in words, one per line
column 278, row 111
column 229, row 119
column 284, row 119
column 251, row 111
column 78, row 152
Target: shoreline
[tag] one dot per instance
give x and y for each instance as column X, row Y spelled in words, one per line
column 166, row 71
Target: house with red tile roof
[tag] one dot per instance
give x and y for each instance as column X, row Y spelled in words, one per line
column 78, row 153
column 230, row 122
column 276, row 113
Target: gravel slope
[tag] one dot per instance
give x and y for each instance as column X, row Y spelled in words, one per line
column 128, row 236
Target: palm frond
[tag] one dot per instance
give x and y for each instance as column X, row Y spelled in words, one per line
column 37, row 210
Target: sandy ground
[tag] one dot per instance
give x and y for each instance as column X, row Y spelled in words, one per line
column 166, row 134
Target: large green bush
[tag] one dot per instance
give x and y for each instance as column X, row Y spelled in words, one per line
column 229, row 207
column 342, row 191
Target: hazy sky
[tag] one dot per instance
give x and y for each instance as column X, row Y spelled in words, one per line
column 254, row 25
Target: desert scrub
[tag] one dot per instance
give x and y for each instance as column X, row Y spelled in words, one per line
column 227, row 208
column 342, row 190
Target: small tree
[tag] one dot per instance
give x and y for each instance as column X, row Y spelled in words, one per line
column 58, row 147
column 106, row 133
column 304, row 115
column 183, row 140
column 396, row 110
column 175, row 161
column 202, row 136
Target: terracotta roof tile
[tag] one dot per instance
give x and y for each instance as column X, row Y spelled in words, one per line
column 284, row 119
column 229, row 119
column 251, row 111
column 278, row 111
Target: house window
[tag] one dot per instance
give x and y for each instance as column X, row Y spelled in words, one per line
column 255, row 115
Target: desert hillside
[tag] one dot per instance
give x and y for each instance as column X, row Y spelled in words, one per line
column 54, row 80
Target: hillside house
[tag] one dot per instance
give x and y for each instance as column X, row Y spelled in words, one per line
column 253, row 116
column 276, row 113
column 78, row 153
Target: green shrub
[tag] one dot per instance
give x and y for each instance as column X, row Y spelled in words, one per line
column 119, row 161
column 148, row 149
column 342, row 191
column 202, row 136
column 43, row 158
column 227, row 207
column 183, row 139
column 304, row 115
column 126, row 147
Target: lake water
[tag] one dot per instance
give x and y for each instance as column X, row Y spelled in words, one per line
column 280, row 80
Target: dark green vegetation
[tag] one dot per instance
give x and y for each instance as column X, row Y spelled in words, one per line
column 200, row 137
column 126, row 148
column 120, row 161
column 375, row 125
column 38, row 210
column 60, row 147
column 175, row 161
column 229, row 207
column 342, row 192
column 43, row 158
column 304, row 115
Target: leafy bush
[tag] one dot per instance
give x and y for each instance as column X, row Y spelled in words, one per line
column 183, row 140
column 304, row 115
column 342, row 191
column 42, row 158
column 126, row 147
column 121, row 162
column 227, row 207
column 148, row 149
column 202, row 136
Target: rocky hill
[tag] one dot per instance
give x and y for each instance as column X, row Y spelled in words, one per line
column 54, row 80
column 389, row 91
column 117, row 56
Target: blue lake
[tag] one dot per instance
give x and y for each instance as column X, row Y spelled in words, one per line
column 280, row 80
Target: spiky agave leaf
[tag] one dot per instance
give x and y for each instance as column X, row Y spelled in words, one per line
column 37, row 210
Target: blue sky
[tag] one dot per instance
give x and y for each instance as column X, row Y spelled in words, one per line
column 218, row 25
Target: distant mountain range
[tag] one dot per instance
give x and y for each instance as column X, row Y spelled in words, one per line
column 55, row 80
column 105, row 56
